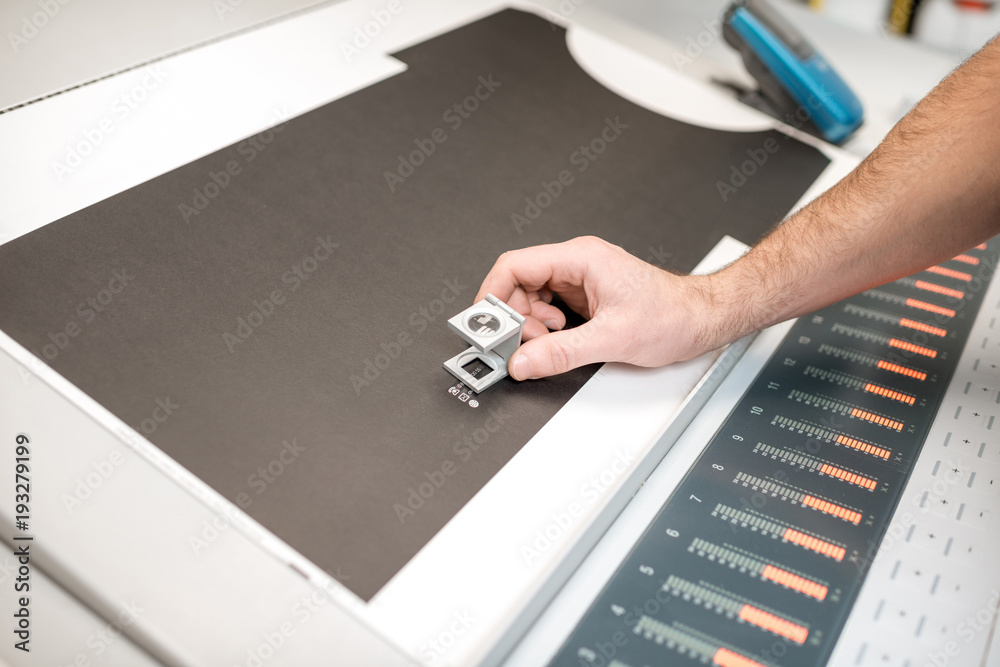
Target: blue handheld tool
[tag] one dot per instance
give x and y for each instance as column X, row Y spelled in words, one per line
column 797, row 84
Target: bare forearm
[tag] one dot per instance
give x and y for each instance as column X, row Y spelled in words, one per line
column 930, row 191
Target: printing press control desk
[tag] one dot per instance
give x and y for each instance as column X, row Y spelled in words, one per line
column 222, row 322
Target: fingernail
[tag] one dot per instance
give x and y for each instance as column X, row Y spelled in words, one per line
column 520, row 368
column 551, row 325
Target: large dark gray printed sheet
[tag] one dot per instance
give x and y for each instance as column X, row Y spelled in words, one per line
column 272, row 315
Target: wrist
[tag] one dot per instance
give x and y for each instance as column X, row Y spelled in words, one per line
column 707, row 323
column 733, row 306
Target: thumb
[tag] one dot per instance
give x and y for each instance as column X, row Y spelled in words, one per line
column 561, row 351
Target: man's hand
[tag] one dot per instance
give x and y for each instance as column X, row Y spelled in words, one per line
column 927, row 193
column 635, row 312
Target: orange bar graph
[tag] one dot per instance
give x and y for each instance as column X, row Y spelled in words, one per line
column 814, row 544
column 920, row 326
column 795, row 582
column 938, row 289
column 827, row 507
column 890, row 393
column 726, row 658
column 902, row 370
column 848, row 476
column 862, row 446
column 950, row 273
column 910, row 347
column 775, row 624
column 930, row 307
column 877, row 419
column 967, row 259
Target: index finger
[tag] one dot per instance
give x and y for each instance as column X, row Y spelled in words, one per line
column 554, row 264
